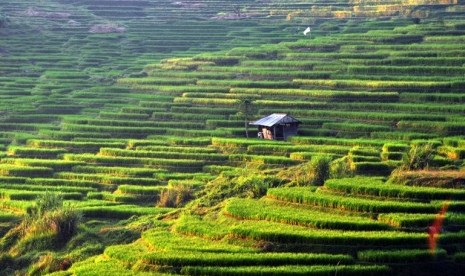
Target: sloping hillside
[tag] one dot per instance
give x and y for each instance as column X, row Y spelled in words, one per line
column 132, row 113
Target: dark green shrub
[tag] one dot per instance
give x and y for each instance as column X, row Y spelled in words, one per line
column 63, row 222
column 419, row 157
column 320, row 166
column 44, row 203
column 340, row 168
column 47, row 225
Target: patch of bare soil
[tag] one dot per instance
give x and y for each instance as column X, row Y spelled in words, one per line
column 189, row 4
column 107, row 28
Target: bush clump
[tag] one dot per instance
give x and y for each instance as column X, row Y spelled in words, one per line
column 48, row 224
column 419, row 157
column 314, row 172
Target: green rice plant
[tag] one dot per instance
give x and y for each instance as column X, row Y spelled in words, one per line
column 452, row 152
column 103, row 160
column 140, row 190
column 322, row 94
column 380, row 117
column 218, row 169
column 336, row 141
column 357, row 128
column 192, row 141
column 186, row 116
column 162, row 154
column 73, row 146
column 18, row 206
column 375, row 187
column 63, row 182
column 454, row 220
column 34, row 152
column 12, row 194
column 247, row 83
column 209, row 110
column 442, row 128
column 119, row 198
column 56, row 165
column 287, row 270
column 69, row 135
column 123, row 116
column 425, row 142
column 452, row 141
column 131, row 144
column 23, row 171
column 282, row 233
column 8, row 217
column 422, row 86
column 173, row 164
column 403, row 106
column 108, row 180
column 120, row 132
column 186, row 182
column 287, row 149
column 433, row 97
column 206, row 101
column 272, row 211
column 242, row 259
column 392, row 156
column 185, row 149
column 177, row 90
column 417, row 70
column 320, row 169
column 395, row 147
column 18, row 127
column 305, row 156
column 420, row 156
column 118, row 171
column 401, row 256
column 371, row 168
column 156, row 81
column 241, row 142
column 13, row 180
column 265, row 104
column 304, row 196
column 261, row 159
column 364, row 151
column 139, row 124
column 193, row 238
column 361, row 158
column 120, row 211
column 198, row 176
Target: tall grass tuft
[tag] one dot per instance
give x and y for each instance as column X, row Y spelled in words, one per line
column 48, row 224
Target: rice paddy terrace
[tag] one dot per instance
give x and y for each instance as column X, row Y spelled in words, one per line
column 130, row 109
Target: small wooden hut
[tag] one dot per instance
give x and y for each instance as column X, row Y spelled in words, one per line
column 277, row 126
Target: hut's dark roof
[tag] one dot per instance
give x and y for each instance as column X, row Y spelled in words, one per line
column 274, row 119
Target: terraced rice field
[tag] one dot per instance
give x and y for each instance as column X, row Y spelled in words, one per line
column 130, row 109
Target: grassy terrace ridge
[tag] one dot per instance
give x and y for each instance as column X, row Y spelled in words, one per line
column 123, row 148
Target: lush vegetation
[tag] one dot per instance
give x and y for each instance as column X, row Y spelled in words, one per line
column 124, row 146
